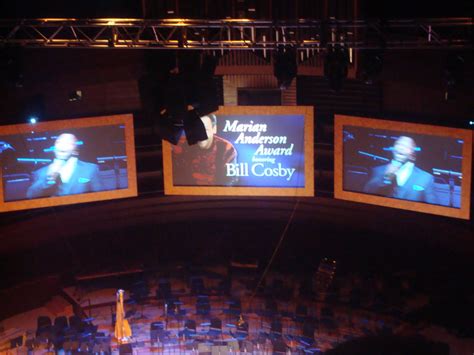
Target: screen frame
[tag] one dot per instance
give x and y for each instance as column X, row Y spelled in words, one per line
column 89, row 122
column 307, row 190
column 339, row 193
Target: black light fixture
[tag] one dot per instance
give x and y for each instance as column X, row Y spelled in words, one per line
column 113, row 38
column 190, row 92
column 284, row 67
column 75, row 95
column 194, row 128
column 169, row 128
column 453, row 75
column 336, row 66
column 371, row 65
column 206, row 101
column 11, row 67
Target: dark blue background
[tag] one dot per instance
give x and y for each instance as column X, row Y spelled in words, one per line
column 291, row 126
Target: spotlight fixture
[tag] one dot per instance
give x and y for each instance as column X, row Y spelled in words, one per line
column 284, row 67
column 113, row 38
column 194, row 128
column 169, row 128
column 453, row 75
column 191, row 93
column 76, row 95
column 371, row 65
column 336, row 67
column 32, row 120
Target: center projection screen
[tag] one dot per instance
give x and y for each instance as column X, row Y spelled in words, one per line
column 67, row 161
column 252, row 151
column 403, row 165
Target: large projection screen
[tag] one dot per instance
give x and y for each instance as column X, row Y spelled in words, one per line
column 403, row 165
column 67, row 161
column 255, row 151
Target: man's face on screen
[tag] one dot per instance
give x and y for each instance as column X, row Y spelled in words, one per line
column 404, row 149
column 65, row 146
column 210, row 131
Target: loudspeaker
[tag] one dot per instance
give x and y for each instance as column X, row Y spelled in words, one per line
column 125, row 349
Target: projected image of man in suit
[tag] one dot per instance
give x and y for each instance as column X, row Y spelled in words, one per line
column 66, row 175
column 401, row 178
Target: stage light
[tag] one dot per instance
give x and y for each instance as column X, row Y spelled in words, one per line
column 32, row 120
column 194, row 128
column 284, row 67
column 206, row 87
column 75, row 96
column 336, row 67
column 454, row 72
column 113, row 39
column 188, row 93
column 168, row 128
column 371, row 65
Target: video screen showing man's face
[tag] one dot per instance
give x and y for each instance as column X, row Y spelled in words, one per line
column 63, row 162
column 243, row 150
column 402, row 165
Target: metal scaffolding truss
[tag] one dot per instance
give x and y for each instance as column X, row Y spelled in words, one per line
column 237, row 34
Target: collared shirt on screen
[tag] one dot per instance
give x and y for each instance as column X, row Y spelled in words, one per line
column 68, row 169
column 404, row 173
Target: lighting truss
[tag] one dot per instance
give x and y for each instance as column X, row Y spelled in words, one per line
column 237, row 34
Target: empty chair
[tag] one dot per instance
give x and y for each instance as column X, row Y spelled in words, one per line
column 203, row 309
column 126, row 349
column 235, row 307
column 76, row 323
column 16, row 342
column 308, row 333
column 308, row 329
column 60, row 323
column 301, row 310
column 197, row 285
column 170, row 305
column 271, row 305
column 276, row 327
column 139, row 291
column 224, row 286
column 242, row 329
column 71, row 345
column 215, row 327
column 59, row 330
column 190, row 324
column 216, row 323
column 203, row 306
column 279, row 347
column 44, row 330
column 327, row 312
column 104, row 345
column 155, row 329
column 164, row 290
column 189, row 328
column 43, row 322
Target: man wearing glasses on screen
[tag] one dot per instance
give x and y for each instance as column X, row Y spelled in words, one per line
column 401, row 178
column 66, row 175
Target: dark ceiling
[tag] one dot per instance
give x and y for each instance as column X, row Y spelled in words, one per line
column 221, row 9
